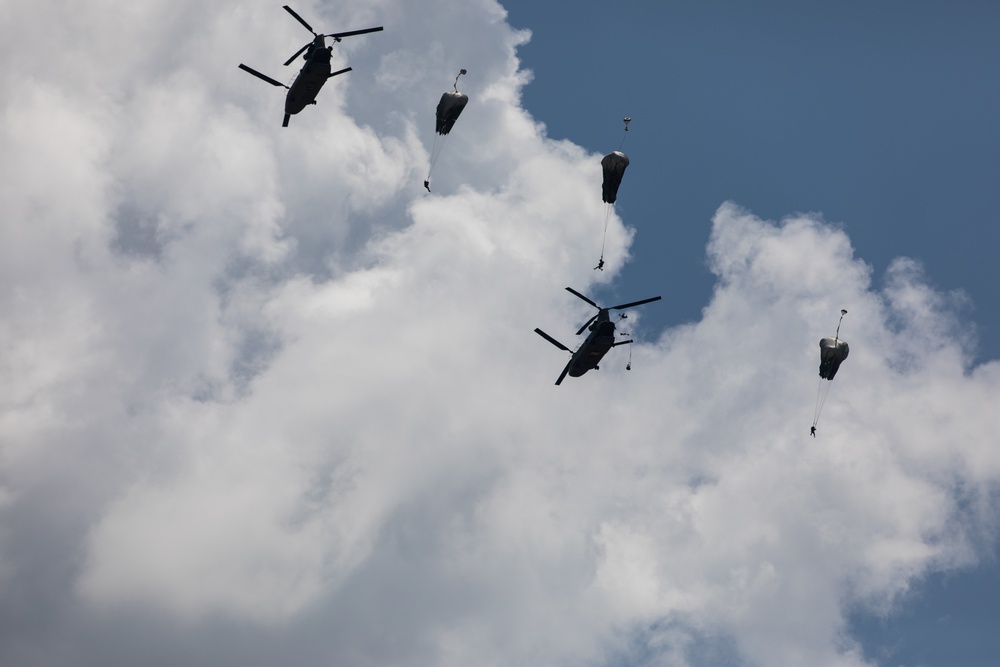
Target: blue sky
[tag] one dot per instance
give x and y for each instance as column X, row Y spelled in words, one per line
column 881, row 117
column 267, row 400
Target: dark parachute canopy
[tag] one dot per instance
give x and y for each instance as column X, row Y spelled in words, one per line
column 614, row 165
column 832, row 353
column 448, row 110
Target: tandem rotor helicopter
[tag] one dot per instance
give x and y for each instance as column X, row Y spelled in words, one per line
column 314, row 73
column 598, row 342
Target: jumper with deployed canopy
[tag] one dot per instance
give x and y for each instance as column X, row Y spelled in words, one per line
column 832, row 352
column 448, row 110
column 614, row 165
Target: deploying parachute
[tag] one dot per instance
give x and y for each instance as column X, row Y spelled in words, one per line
column 614, row 165
column 448, row 110
column 832, row 352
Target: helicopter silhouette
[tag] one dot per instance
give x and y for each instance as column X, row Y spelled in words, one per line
column 314, row 73
column 598, row 342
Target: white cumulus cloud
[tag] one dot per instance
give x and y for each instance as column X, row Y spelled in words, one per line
column 267, row 399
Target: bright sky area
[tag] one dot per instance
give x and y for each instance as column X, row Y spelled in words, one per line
column 266, row 400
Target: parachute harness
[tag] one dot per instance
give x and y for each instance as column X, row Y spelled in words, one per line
column 608, row 207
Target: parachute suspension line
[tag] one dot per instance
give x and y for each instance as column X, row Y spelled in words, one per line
column 607, row 216
column 821, row 392
column 435, row 154
column 625, row 133
column 836, row 336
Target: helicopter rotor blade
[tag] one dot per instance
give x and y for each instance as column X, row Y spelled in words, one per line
column 299, row 19
column 304, row 47
column 262, row 76
column 552, row 340
column 573, row 291
column 351, row 33
column 634, row 303
column 563, row 374
column 623, row 342
column 340, row 71
column 586, row 324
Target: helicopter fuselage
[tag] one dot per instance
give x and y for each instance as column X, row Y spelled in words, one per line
column 600, row 340
column 311, row 78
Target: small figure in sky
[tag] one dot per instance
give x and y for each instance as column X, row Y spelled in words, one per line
column 600, row 265
column 812, row 431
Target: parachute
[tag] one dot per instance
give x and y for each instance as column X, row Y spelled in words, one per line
column 613, row 164
column 832, row 352
column 448, row 110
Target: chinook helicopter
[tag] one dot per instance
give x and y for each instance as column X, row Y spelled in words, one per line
column 598, row 342
column 314, row 73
